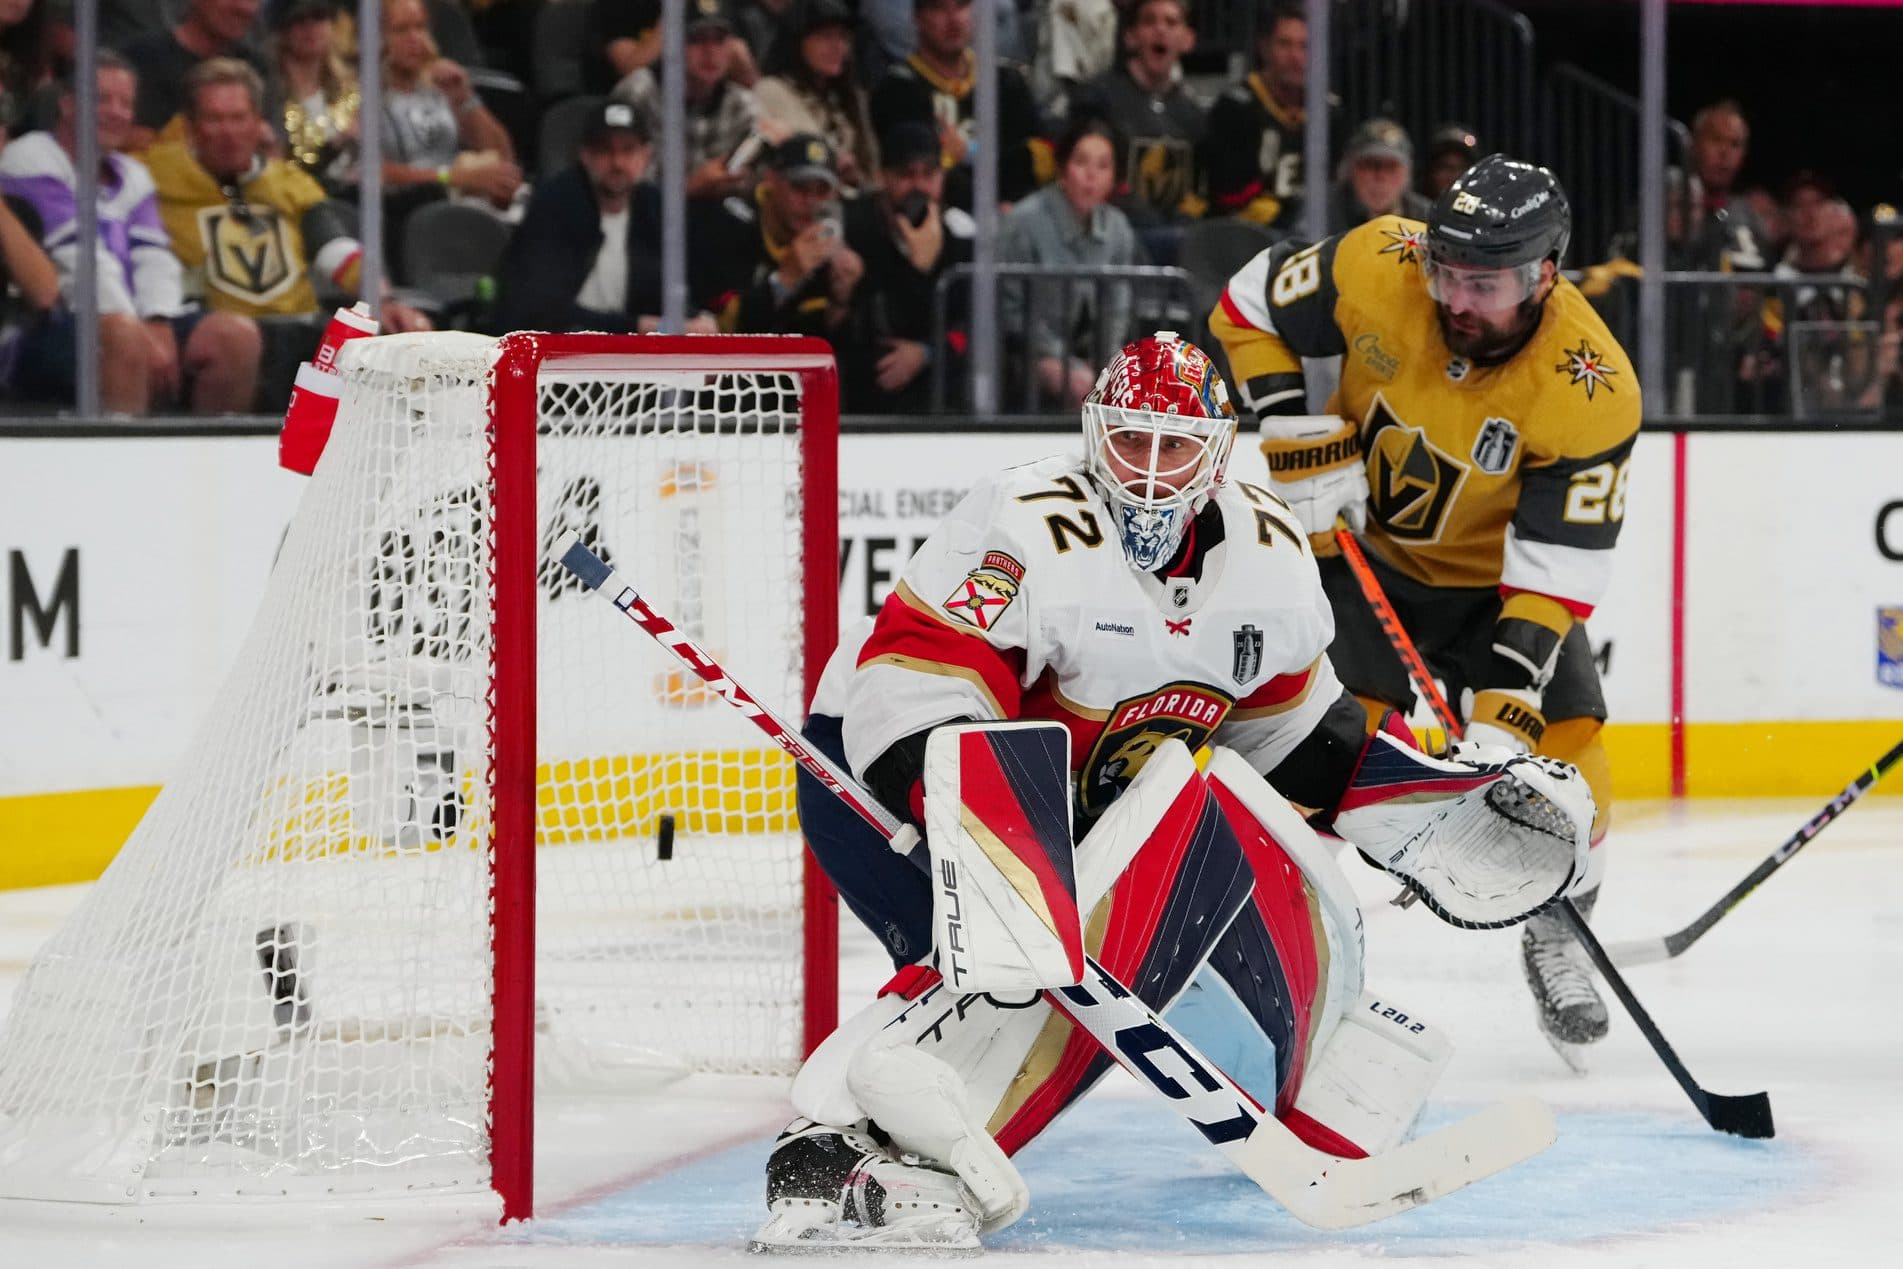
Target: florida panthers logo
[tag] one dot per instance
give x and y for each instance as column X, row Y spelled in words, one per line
column 1188, row 712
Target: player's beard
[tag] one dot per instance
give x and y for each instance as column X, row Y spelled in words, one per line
column 1489, row 342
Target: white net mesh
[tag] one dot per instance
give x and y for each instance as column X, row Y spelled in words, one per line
column 283, row 982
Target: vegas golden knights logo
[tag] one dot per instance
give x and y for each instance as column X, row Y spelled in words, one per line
column 247, row 256
column 1411, row 482
column 1159, row 170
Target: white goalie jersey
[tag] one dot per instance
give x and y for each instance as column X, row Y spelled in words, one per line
column 1022, row 605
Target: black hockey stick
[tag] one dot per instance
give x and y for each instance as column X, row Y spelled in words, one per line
column 1317, row 1188
column 1645, row 951
column 1747, row 1115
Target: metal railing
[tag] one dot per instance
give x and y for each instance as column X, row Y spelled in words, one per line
column 1428, row 62
column 1152, row 296
column 1589, row 136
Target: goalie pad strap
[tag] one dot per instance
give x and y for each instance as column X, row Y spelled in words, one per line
column 1004, row 891
column 1299, row 457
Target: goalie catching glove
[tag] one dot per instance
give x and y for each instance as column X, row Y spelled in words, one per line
column 1315, row 461
column 1485, row 837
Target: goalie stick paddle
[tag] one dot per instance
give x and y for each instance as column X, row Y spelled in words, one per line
column 1747, row 1115
column 1646, row 951
column 1316, row 1188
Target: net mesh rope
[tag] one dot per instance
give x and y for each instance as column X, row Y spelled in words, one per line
column 283, row 980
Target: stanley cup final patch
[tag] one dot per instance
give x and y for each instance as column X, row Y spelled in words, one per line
column 987, row 591
column 1248, row 654
column 1890, row 646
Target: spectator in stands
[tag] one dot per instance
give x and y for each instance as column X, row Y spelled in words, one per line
column 1256, row 132
column 935, row 84
column 624, row 36
column 24, row 60
column 1376, row 167
column 759, row 23
column 812, row 85
column 1070, row 224
column 1732, row 236
column 153, row 350
column 25, row 267
column 587, row 255
column 1726, row 234
column 436, row 131
column 1144, row 99
column 210, row 28
column 318, row 86
column 721, row 114
column 1451, row 150
column 908, row 238
column 777, row 262
column 892, row 34
column 1076, row 41
column 1834, row 364
column 256, row 236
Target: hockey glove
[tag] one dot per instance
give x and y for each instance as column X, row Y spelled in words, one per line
column 1505, row 718
column 1524, row 654
column 1315, row 461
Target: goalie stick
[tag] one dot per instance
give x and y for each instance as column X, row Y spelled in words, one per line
column 1317, row 1188
column 1746, row 1115
column 1646, row 951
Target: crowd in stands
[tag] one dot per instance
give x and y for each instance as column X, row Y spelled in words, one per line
column 830, row 160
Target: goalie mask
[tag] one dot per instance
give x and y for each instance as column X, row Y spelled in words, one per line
column 1157, row 431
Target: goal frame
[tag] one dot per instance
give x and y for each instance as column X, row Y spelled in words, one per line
column 513, row 428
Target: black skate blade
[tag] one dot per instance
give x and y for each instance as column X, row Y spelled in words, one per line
column 1746, row 1116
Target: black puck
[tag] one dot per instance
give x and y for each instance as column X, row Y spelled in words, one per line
column 664, row 838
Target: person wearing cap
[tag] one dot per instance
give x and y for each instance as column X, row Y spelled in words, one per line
column 587, row 255
column 776, row 261
column 937, row 84
column 812, row 85
column 908, row 238
column 1373, row 177
column 1831, row 366
column 1451, row 150
column 722, row 115
column 1253, row 157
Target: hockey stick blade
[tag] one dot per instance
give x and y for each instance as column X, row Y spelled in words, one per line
column 1745, row 1115
column 1132, row 1034
column 1648, row 951
column 1353, row 1192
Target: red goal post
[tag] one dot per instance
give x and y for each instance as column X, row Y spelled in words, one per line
column 315, row 967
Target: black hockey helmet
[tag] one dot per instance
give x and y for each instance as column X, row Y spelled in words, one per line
column 1500, row 213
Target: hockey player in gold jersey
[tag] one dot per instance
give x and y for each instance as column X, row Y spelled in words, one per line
column 1480, row 435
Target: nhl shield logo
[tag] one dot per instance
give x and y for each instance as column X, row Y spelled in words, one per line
column 1494, row 447
column 1248, row 654
column 1890, row 647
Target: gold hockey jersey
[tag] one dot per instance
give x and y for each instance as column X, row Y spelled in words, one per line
column 1511, row 475
column 243, row 249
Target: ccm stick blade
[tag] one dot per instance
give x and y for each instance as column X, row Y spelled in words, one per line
column 1316, row 1188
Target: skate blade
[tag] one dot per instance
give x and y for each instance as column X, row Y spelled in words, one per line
column 944, row 1239
column 1573, row 1055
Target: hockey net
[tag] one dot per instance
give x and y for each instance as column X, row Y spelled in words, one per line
column 451, row 821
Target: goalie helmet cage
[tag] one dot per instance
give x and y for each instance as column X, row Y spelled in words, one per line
column 315, row 966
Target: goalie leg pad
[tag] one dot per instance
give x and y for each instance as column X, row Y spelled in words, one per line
column 1004, row 891
column 889, row 893
column 1374, row 1074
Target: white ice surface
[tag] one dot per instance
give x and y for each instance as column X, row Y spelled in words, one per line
column 1796, row 992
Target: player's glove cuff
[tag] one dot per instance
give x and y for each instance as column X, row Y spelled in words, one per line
column 1315, row 461
column 1502, row 716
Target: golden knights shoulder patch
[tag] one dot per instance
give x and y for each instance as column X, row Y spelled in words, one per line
column 986, row 591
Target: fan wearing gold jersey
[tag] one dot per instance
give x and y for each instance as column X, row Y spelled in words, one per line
column 1481, row 434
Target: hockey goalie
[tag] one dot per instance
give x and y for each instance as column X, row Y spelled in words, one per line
column 1044, row 671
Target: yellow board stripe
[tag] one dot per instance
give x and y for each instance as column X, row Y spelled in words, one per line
column 49, row 839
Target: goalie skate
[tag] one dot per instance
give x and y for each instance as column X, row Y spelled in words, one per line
column 838, row 1189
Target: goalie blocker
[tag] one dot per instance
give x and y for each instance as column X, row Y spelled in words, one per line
column 1207, row 893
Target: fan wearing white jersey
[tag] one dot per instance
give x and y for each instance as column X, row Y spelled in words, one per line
column 1041, row 674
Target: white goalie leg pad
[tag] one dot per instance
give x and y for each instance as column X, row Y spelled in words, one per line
column 1340, row 910
column 820, row 1090
column 1123, row 830
column 921, row 1103
column 1374, row 1074
column 1004, row 886
column 1486, row 837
